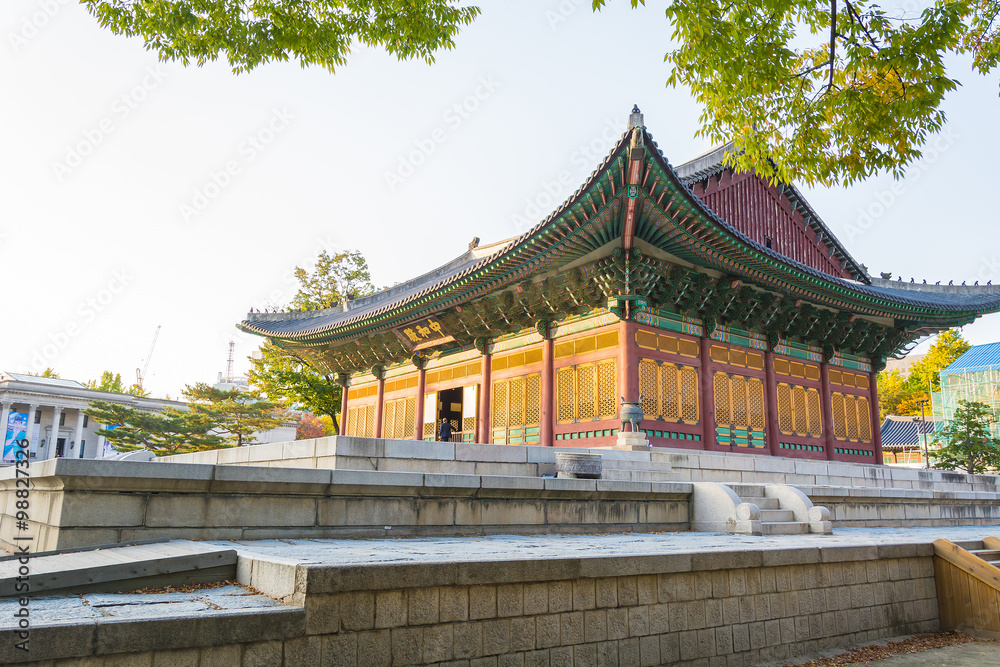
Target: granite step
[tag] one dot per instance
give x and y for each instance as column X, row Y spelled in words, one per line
column 784, row 528
column 121, row 568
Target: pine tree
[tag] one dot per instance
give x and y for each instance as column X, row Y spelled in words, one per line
column 233, row 414
column 171, row 431
column 969, row 444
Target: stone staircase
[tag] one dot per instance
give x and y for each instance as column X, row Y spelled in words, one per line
column 773, row 519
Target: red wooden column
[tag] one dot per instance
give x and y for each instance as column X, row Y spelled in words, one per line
column 875, row 417
column 707, row 395
column 485, row 398
column 343, row 404
column 548, row 416
column 379, row 403
column 628, row 363
column 418, row 431
column 826, row 400
column 770, row 404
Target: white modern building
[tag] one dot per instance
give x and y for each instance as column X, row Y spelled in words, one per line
column 48, row 412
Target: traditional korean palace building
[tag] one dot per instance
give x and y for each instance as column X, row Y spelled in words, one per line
column 724, row 302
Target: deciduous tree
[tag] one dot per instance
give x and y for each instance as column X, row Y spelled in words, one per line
column 286, row 376
column 815, row 91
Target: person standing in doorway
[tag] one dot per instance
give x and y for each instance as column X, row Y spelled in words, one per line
column 445, row 430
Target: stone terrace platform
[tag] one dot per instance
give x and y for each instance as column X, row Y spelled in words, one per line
column 647, row 599
column 370, row 488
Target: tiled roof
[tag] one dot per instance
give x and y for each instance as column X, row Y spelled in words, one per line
column 977, row 358
column 298, row 325
column 713, row 162
column 902, row 431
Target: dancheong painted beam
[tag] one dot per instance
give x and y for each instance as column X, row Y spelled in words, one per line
column 722, row 302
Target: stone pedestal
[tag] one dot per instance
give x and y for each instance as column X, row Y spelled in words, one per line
column 570, row 465
column 633, row 441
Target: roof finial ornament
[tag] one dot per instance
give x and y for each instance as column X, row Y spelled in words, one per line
column 635, row 118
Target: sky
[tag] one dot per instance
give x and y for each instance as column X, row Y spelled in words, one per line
column 136, row 194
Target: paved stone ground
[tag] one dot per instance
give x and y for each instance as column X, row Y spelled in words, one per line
column 971, row 654
column 519, row 547
column 134, row 605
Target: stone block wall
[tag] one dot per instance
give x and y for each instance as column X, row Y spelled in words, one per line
column 77, row 502
column 725, row 608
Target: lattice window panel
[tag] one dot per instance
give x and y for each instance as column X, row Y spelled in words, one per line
column 861, row 382
column 607, row 340
column 785, row 422
column 388, row 413
column 812, row 373
column 648, row 388
column 428, row 431
column 719, row 354
column 532, row 399
column 851, row 411
column 645, row 339
column 755, row 361
column 689, row 394
column 399, row 419
column 864, row 420
column 566, row 395
column 350, row 428
column 586, row 379
column 723, row 414
column 500, row 404
column 800, row 419
column 409, row 417
column 469, row 424
column 839, row 423
column 516, row 401
column 370, row 421
column 815, row 411
column 755, row 401
column 737, row 357
column 739, row 388
column 669, row 393
column 607, row 389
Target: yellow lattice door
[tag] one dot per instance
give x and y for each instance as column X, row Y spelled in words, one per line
column 516, row 401
column 689, row 394
column 586, row 392
column 648, row 389
column 370, row 420
column 815, row 413
column 851, row 412
column 864, row 420
column 839, row 422
column 500, row 404
column 607, row 389
column 670, row 397
column 533, row 400
column 739, row 388
column 785, row 422
column 723, row 414
column 755, row 401
column 388, row 413
column 565, row 395
column 351, row 427
column 409, row 417
column 801, row 421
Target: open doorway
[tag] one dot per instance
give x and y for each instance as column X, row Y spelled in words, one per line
column 60, row 447
column 450, row 408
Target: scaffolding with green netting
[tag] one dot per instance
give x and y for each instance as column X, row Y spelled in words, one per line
column 975, row 376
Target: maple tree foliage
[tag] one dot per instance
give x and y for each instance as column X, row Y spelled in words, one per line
column 821, row 92
column 900, row 394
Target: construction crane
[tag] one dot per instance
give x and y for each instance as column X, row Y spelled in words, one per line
column 140, row 373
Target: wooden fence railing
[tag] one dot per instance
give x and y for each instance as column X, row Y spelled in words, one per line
column 968, row 588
